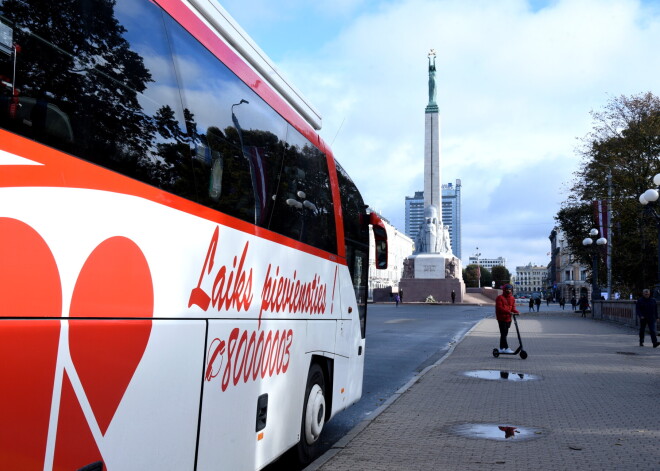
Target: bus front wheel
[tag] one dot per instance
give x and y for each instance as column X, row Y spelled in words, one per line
column 313, row 417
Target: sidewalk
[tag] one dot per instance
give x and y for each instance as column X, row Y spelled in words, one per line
column 595, row 405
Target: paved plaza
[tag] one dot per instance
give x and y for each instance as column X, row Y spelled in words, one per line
column 586, row 398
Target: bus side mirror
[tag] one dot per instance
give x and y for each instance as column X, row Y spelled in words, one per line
column 380, row 238
column 381, row 254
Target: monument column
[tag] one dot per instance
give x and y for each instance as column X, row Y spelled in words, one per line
column 432, row 273
column 432, row 169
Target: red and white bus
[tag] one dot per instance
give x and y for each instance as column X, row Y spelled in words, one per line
column 183, row 263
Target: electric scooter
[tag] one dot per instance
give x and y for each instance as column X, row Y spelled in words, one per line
column 519, row 350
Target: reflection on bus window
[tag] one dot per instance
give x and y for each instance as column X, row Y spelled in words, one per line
column 303, row 205
column 241, row 136
column 103, row 104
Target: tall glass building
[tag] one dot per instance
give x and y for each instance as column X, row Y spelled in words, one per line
column 451, row 214
column 414, row 213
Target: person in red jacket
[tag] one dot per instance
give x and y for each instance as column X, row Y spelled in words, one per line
column 505, row 306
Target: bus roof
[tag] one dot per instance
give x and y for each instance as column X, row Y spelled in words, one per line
column 227, row 28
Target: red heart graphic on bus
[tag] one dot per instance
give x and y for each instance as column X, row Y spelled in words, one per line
column 29, row 287
column 115, row 282
column 75, row 446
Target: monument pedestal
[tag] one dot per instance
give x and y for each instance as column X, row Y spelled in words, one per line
column 429, row 274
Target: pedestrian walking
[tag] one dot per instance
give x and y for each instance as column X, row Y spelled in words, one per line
column 397, row 298
column 505, row 307
column 562, row 302
column 573, row 302
column 584, row 305
column 531, row 304
column 547, row 301
column 647, row 312
column 537, row 301
column 453, row 296
column 401, row 296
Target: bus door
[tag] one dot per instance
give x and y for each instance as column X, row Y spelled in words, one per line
column 351, row 330
column 350, row 341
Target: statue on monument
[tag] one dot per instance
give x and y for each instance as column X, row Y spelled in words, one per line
column 444, row 241
column 427, row 234
column 432, row 77
column 433, row 236
column 450, row 267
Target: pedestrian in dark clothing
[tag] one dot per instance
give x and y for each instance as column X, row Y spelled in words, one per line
column 647, row 312
column 505, row 307
column 573, row 302
column 562, row 302
column 537, row 301
column 547, row 301
column 531, row 304
column 584, row 305
column 401, row 296
column 453, row 296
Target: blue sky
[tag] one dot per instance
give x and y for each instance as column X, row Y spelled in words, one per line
column 285, row 28
column 516, row 79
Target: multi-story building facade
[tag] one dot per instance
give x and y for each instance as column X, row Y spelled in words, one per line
column 531, row 279
column 487, row 262
column 451, row 214
column 568, row 278
column 399, row 246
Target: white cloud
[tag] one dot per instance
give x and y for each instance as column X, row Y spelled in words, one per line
column 515, row 88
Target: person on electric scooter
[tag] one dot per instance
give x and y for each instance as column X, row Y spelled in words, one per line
column 505, row 306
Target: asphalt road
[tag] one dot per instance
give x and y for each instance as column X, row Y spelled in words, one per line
column 401, row 342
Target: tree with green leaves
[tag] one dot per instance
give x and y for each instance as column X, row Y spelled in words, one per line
column 624, row 143
column 500, row 275
column 470, row 276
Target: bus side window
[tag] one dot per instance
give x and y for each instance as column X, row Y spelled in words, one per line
column 356, row 229
column 236, row 138
column 303, row 208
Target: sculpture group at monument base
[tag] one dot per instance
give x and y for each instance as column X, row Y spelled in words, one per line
column 432, row 274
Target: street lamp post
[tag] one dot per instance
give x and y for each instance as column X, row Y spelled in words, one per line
column 589, row 241
column 478, row 254
column 650, row 200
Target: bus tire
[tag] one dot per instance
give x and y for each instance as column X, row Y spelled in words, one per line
column 313, row 417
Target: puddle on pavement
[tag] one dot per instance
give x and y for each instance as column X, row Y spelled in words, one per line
column 501, row 432
column 501, row 375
